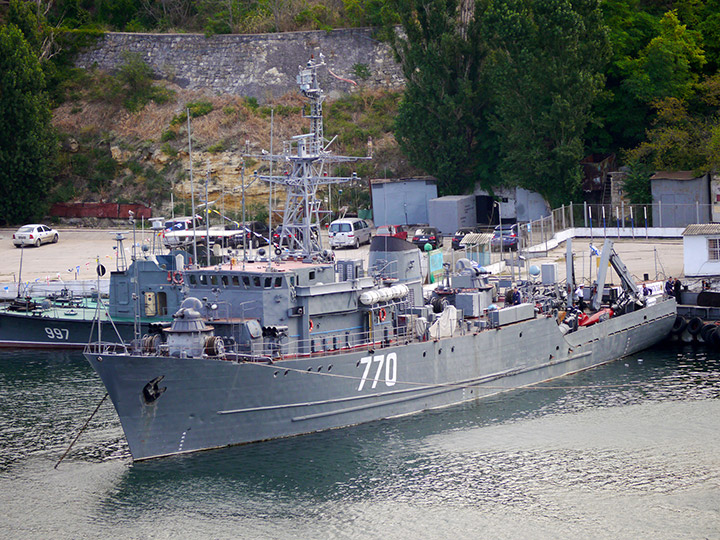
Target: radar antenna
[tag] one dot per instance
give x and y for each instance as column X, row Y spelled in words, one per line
column 305, row 159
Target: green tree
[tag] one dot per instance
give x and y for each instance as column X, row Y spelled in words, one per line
column 27, row 140
column 668, row 66
column 685, row 134
column 548, row 61
column 619, row 119
column 442, row 120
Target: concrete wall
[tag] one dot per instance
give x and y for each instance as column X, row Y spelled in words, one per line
column 258, row 65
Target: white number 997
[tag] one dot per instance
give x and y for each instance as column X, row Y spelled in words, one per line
column 57, row 333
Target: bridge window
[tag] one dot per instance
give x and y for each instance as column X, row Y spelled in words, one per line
column 256, row 281
column 268, row 282
column 236, row 281
column 278, row 282
column 225, row 281
column 193, row 279
column 213, row 280
column 203, row 279
column 246, row 281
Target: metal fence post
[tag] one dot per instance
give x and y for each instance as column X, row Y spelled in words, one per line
column 572, row 216
column 585, row 214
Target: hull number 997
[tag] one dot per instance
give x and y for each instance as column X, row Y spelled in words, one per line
column 384, row 365
column 57, row 333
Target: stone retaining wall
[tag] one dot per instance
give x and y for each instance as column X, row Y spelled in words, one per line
column 257, row 65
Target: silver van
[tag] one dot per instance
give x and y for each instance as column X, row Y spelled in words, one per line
column 349, row 232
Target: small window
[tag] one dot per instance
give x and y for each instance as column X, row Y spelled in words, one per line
column 292, row 281
column 213, row 280
column 235, row 281
column 268, row 282
column 278, row 282
column 203, row 279
column 225, row 281
column 246, row 281
column 714, row 249
column 256, row 281
column 193, row 279
column 312, row 275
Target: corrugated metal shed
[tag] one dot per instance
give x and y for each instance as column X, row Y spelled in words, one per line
column 702, row 229
column 476, row 239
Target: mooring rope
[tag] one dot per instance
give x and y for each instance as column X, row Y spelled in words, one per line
column 81, row 430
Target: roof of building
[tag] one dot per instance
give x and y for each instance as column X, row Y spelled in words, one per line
column 702, row 229
column 674, row 175
column 476, row 239
column 430, row 179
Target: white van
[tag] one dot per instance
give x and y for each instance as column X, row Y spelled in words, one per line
column 349, row 232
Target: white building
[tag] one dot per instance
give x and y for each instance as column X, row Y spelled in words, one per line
column 701, row 247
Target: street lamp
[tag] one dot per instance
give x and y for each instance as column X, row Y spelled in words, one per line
column 500, row 225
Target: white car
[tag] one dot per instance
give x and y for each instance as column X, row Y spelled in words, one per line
column 349, row 232
column 34, row 235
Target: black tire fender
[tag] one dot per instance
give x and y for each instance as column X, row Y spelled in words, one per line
column 695, row 325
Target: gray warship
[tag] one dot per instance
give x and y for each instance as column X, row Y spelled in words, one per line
column 292, row 341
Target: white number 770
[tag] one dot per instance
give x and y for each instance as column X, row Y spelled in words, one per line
column 390, row 363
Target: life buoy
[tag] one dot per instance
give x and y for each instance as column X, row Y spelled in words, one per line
column 382, row 314
column 177, row 278
column 311, row 325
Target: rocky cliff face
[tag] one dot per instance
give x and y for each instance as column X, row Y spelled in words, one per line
column 150, row 147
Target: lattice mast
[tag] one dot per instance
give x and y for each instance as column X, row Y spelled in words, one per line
column 305, row 162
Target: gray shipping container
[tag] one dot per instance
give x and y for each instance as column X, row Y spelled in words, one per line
column 452, row 212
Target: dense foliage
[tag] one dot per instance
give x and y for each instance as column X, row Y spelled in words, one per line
column 27, row 140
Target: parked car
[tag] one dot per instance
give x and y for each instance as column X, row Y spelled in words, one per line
column 285, row 240
column 349, row 232
column 399, row 231
column 256, row 234
column 427, row 235
column 506, row 236
column 183, row 224
column 34, row 235
column 460, row 234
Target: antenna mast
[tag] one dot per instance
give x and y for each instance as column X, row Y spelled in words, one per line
column 306, row 158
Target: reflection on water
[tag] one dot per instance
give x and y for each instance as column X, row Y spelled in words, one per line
column 622, row 451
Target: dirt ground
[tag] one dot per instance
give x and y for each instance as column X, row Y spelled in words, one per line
column 75, row 256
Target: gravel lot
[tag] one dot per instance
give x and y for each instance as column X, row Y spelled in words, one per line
column 75, row 255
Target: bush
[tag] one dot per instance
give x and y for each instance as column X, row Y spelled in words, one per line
column 169, row 135
column 200, row 108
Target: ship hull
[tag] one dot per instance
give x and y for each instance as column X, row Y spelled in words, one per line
column 173, row 405
column 38, row 331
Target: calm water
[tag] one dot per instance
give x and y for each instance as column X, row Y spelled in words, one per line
column 629, row 450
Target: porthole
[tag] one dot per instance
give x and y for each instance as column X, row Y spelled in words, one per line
column 330, row 367
column 276, row 374
column 424, row 355
column 286, row 372
column 520, row 334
